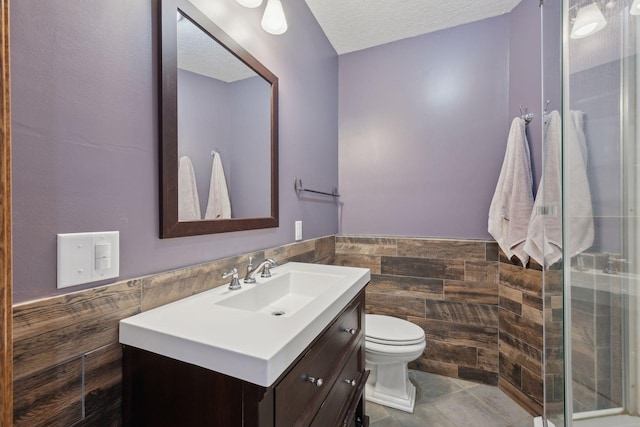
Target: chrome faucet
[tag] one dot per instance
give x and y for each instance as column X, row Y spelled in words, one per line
column 264, row 266
column 610, row 267
column 615, row 265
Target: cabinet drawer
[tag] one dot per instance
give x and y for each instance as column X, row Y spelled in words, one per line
column 297, row 398
column 335, row 408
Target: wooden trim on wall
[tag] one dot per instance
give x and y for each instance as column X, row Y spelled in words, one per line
column 6, row 295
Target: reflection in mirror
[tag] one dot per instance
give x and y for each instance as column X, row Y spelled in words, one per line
column 223, row 131
column 219, row 129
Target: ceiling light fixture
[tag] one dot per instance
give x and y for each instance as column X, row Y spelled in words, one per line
column 635, row 7
column 250, row 3
column 590, row 20
column 273, row 20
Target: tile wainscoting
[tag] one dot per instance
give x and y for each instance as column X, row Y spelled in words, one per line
column 521, row 334
column 447, row 287
column 597, row 335
column 482, row 319
column 67, row 358
column 482, row 314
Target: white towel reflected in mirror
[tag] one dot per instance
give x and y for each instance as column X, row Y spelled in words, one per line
column 188, row 200
column 219, row 204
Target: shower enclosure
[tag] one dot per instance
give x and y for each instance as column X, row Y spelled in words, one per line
column 592, row 328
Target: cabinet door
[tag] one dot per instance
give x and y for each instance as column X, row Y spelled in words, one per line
column 159, row 391
column 336, row 406
column 299, row 395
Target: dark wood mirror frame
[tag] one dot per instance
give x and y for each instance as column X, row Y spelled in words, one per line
column 169, row 224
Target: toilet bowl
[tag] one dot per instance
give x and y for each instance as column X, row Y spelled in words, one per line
column 390, row 344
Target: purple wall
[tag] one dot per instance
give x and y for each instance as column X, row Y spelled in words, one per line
column 525, row 76
column 85, row 132
column 423, row 127
column 203, row 125
column 250, row 164
column 234, row 119
column 596, row 70
column 596, row 92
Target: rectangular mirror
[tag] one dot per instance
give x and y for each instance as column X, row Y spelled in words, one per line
column 219, row 144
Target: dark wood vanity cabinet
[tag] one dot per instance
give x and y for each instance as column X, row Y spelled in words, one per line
column 323, row 387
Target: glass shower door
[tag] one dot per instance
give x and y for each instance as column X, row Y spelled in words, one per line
column 600, row 213
column 552, row 280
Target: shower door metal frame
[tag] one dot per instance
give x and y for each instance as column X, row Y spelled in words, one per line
column 630, row 203
column 566, row 273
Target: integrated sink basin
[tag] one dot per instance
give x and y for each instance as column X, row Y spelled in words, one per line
column 284, row 295
column 253, row 333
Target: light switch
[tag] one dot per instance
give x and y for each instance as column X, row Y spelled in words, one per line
column 103, row 264
column 103, row 256
column 106, row 255
column 87, row 257
column 103, row 250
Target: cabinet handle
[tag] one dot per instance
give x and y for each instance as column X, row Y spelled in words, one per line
column 350, row 330
column 352, row 383
column 317, row 381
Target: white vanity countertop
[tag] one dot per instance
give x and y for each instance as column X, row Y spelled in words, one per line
column 253, row 346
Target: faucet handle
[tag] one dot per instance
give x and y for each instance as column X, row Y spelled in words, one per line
column 235, row 283
column 231, row 273
column 265, row 271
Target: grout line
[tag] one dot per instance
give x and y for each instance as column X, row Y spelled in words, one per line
column 493, row 409
column 84, row 411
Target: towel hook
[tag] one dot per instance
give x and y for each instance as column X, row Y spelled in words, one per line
column 546, row 105
column 526, row 116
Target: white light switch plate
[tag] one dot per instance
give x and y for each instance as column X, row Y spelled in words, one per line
column 77, row 258
column 298, row 227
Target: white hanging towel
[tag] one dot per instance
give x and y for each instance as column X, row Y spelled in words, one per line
column 219, row 205
column 580, row 226
column 188, row 200
column 513, row 199
column 544, row 240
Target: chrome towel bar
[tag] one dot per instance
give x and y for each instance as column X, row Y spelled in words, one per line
column 299, row 189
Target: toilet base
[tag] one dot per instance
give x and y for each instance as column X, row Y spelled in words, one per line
column 389, row 385
column 404, row 404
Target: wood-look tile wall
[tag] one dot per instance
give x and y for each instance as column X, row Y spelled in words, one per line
column 483, row 319
column 67, row 358
column 447, row 287
column 554, row 343
column 521, row 334
column 596, row 335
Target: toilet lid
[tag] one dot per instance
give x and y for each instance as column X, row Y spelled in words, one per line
column 391, row 330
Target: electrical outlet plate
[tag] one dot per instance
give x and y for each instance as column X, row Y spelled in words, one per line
column 77, row 263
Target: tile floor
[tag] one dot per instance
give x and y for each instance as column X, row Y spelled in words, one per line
column 616, row 420
column 448, row 402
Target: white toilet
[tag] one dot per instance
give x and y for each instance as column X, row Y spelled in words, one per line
column 390, row 344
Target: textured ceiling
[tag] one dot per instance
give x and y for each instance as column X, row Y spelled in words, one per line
column 350, row 25
column 199, row 53
column 353, row 25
